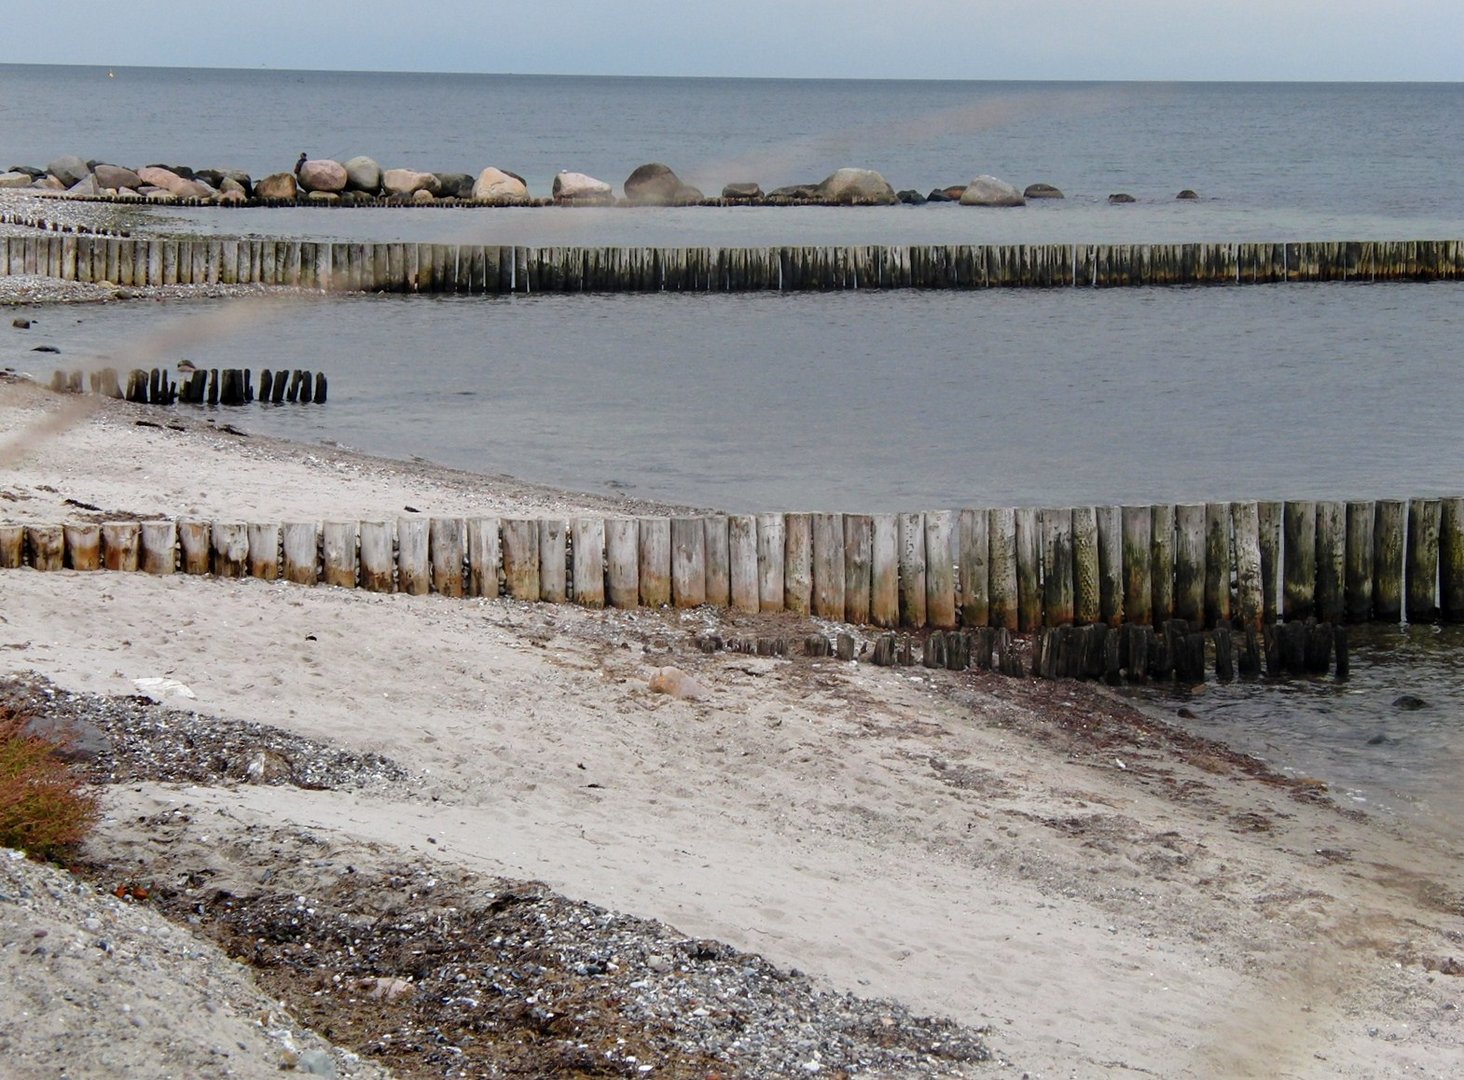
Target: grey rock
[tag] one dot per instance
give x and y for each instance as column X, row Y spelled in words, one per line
column 856, row 187
column 653, row 184
column 117, row 177
column 1409, row 703
column 14, row 179
column 454, row 185
column 1187, row 194
column 987, row 190
column 943, row 195
column 1120, row 197
column 1042, row 191
column 911, row 198
column 408, row 182
column 30, row 170
column 316, row 1063
column 577, row 188
column 801, row 192
column 743, row 189
column 69, row 169
column 363, row 174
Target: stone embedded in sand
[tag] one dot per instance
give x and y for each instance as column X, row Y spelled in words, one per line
column 267, row 766
column 856, row 187
column 989, row 191
column 278, row 186
column 322, row 174
column 496, row 185
column 574, row 187
column 678, row 684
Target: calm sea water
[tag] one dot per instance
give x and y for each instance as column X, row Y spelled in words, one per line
column 869, row 401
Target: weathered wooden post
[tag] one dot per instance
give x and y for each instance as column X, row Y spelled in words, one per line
column 1138, row 587
column 1161, row 561
column 378, row 567
column 829, row 569
column 771, row 542
column 1029, row 569
column 159, row 542
column 46, row 547
column 940, row 570
column 1268, row 520
column 622, row 558
column 719, row 564
column 302, row 549
column 485, row 557
column 1002, row 584
column 912, row 570
column 1249, row 603
column 521, row 558
column 1331, row 561
column 121, row 545
column 195, row 541
column 798, row 563
column 884, row 563
column 1057, row 566
column 1217, row 564
column 1388, row 558
column 688, row 562
column 655, row 562
column 264, row 551
column 338, row 553
column 447, row 551
column 587, row 540
column 1189, row 563
column 553, row 560
column 972, row 550
column 1359, row 558
column 83, row 546
column 1110, row 564
column 1299, row 554
column 230, row 549
column 1451, row 559
column 742, row 557
column 1423, row 559
column 12, row 546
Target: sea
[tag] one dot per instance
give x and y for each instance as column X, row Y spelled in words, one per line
column 865, row 400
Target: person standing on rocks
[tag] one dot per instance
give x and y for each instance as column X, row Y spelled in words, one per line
column 300, row 164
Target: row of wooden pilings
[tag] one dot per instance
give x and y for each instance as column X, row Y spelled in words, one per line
column 481, row 269
column 212, row 386
column 1242, row 564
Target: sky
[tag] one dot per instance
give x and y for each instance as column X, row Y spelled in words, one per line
column 1249, row 40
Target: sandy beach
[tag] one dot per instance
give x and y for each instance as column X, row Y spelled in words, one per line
column 1102, row 894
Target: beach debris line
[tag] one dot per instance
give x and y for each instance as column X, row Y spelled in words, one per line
column 212, row 386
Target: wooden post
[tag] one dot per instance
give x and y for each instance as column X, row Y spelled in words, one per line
column 195, row 541
column 1189, row 563
column 1250, row 606
column 485, row 557
column 1217, row 564
column 264, row 551
column 338, row 553
column 1268, row 519
column 230, row 549
column 798, row 563
column 302, row 548
column 522, row 553
column 1001, row 524
column 414, row 564
column 742, row 559
column 884, row 562
column 858, row 567
column 1331, row 561
column 159, row 547
column 940, row 569
column 1357, row 603
column 588, row 543
column 1087, row 592
column 1451, row 559
column 121, row 545
column 1388, row 557
column 1161, row 561
column 46, row 546
column 771, row 542
column 1423, row 559
column 719, row 566
column 1110, row 564
column 12, row 543
column 447, row 550
column 655, row 562
column 688, row 562
column 378, row 568
column 83, row 546
column 622, row 557
column 1057, row 567
column 1299, row 553
column 1138, row 581
column 829, row 570
column 972, row 549
column 912, row 570
column 554, row 560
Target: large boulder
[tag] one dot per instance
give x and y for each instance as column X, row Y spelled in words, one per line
column 363, row 174
column 159, row 177
column 116, row 177
column 239, row 176
column 454, row 185
column 989, row 191
column 742, row 189
column 409, row 182
column 14, row 180
column 495, row 185
column 653, row 185
column 1042, row 191
column 277, row 186
column 69, row 169
column 574, row 187
column 87, row 186
column 856, row 187
column 322, row 174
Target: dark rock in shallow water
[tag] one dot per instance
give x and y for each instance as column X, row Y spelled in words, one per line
column 1042, row 191
column 795, row 191
column 1187, row 195
column 911, row 198
column 1121, row 197
column 941, row 195
column 455, row 185
column 652, row 184
column 1409, row 703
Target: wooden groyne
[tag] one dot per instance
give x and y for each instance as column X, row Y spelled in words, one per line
column 1241, row 566
column 212, row 386
column 491, row 270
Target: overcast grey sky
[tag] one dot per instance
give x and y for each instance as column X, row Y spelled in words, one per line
column 1345, row 40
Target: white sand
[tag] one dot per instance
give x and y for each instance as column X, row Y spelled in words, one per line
column 941, row 839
